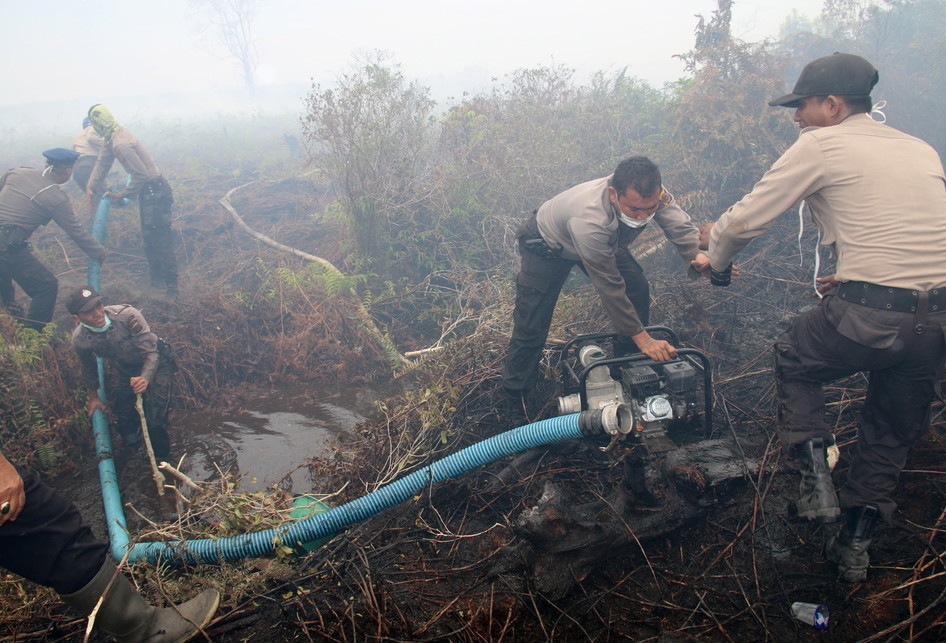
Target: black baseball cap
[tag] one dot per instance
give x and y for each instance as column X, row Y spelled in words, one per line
column 82, row 299
column 837, row 74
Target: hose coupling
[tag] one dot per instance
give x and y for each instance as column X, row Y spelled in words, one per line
column 613, row 419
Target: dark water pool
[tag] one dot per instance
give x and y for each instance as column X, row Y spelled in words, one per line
column 267, row 440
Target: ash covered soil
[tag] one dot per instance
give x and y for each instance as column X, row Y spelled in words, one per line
column 547, row 545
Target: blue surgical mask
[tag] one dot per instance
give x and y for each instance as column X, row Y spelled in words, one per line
column 108, row 324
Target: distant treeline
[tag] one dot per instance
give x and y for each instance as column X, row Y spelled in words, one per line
column 423, row 189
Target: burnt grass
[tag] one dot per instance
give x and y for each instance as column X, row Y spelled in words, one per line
column 453, row 563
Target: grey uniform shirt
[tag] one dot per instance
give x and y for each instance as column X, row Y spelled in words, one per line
column 129, row 343
column 879, row 196
column 584, row 223
column 29, row 199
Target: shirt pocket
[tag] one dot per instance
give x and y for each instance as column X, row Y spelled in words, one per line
column 860, row 325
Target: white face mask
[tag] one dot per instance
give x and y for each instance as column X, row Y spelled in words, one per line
column 635, row 223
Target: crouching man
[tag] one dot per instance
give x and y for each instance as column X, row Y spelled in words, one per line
column 144, row 364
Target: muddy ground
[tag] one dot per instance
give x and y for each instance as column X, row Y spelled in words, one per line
column 457, row 562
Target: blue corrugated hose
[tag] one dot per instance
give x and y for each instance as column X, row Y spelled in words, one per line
column 324, row 524
column 329, row 523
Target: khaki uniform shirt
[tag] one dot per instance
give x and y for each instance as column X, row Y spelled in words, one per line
column 132, row 155
column 29, row 199
column 129, row 342
column 585, row 224
column 88, row 143
column 878, row 195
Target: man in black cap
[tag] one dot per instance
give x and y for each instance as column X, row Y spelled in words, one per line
column 879, row 197
column 44, row 539
column 144, row 364
column 28, row 199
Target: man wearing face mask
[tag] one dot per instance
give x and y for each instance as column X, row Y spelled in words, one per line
column 591, row 226
column 144, row 364
column 31, row 198
column 88, row 144
column 147, row 185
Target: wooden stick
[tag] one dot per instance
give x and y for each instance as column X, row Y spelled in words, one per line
column 164, row 466
column 155, row 473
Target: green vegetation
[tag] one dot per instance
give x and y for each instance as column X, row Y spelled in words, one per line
column 418, row 203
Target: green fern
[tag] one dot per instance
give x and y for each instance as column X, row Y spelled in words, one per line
column 48, row 455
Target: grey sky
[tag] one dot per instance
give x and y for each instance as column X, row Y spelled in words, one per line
column 68, row 49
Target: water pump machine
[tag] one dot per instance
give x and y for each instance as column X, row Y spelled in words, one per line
column 658, row 395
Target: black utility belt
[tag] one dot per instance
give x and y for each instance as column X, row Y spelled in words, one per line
column 901, row 300
column 540, row 247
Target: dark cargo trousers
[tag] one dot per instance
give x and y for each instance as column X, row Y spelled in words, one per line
column 19, row 264
column 903, row 352
column 156, row 402
column 538, row 286
column 82, row 170
column 154, row 207
column 49, row 543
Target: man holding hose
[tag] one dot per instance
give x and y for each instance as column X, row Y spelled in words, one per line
column 144, row 365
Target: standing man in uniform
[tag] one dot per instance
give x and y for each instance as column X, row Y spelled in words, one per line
column 28, row 199
column 44, row 539
column 144, row 364
column 88, row 144
column 591, row 226
column 879, row 197
column 147, row 185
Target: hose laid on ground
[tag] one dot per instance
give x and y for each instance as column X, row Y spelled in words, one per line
column 108, row 479
column 329, row 523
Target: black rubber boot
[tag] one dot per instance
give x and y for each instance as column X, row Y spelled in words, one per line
column 817, row 499
column 126, row 616
column 512, row 411
column 849, row 546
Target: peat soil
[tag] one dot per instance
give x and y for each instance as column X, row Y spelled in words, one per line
column 457, row 561
column 449, row 565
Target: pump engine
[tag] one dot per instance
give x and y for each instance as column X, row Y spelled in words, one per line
column 657, row 394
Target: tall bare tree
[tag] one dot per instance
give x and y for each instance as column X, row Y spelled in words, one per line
column 233, row 22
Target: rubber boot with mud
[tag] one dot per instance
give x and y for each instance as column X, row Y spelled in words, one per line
column 817, row 499
column 126, row 616
column 849, row 546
